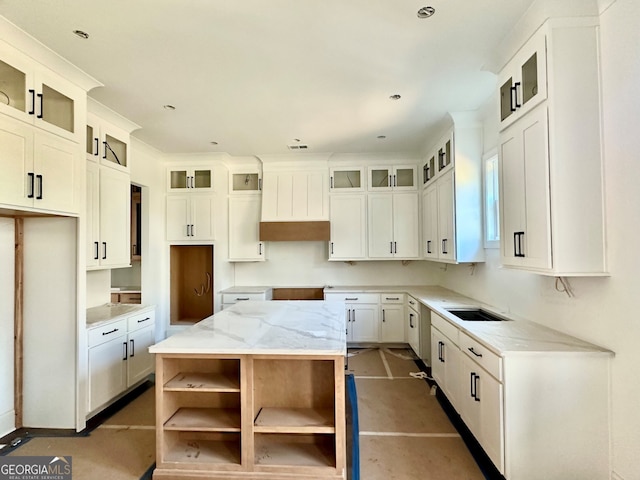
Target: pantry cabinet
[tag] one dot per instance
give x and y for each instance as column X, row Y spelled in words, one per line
column 393, row 225
column 244, row 229
column 551, row 223
column 190, row 217
column 348, row 221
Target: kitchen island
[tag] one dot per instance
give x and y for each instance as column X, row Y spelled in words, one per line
column 255, row 391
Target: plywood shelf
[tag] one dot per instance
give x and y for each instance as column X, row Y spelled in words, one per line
column 205, row 420
column 295, row 420
column 202, row 382
column 199, row 451
column 295, row 450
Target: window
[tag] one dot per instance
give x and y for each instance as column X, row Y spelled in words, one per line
column 491, row 204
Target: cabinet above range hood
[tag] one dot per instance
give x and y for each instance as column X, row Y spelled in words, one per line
column 295, row 199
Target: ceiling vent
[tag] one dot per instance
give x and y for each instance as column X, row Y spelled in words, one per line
column 299, row 146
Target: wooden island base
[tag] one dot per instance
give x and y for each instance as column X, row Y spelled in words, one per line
column 250, row 416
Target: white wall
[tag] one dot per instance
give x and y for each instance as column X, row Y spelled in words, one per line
column 7, row 263
column 603, row 309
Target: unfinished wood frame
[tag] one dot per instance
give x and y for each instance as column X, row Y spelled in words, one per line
column 295, row 231
column 250, row 417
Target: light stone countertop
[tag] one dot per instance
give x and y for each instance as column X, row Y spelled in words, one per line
column 516, row 335
column 108, row 312
column 257, row 327
column 246, row 290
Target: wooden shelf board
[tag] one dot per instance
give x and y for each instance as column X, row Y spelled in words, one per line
column 202, row 382
column 295, row 420
column 293, row 454
column 204, row 451
column 205, row 420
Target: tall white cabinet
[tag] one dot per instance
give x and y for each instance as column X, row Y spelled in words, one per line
column 393, row 225
column 452, row 194
column 551, row 198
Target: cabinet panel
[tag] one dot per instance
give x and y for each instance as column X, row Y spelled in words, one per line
column 115, row 214
column 406, row 225
column 380, row 225
column 446, row 213
column 413, row 330
column 107, row 371
column 295, row 196
column 92, row 211
column 202, row 217
column 392, row 324
column 430, row 222
column 190, row 217
column 16, row 162
column 55, row 166
column 348, row 220
column 244, row 229
column 140, row 362
column 362, row 321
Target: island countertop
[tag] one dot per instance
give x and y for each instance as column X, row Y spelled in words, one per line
column 256, row 327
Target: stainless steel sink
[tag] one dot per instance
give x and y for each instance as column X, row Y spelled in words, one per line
column 476, row 315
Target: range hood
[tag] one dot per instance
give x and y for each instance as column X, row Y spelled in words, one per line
column 295, row 231
column 295, row 199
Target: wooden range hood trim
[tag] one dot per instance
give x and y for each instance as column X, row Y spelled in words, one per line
column 295, row 231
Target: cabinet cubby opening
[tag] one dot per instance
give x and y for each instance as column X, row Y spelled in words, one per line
column 202, row 375
column 293, row 384
column 295, row 420
column 317, row 450
column 202, row 411
column 202, row 448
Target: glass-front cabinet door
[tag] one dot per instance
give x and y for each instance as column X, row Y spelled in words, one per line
column 36, row 95
column 429, row 170
column 347, row 179
column 245, row 182
column 393, row 178
column 194, row 179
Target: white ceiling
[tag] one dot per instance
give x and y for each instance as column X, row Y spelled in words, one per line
column 254, row 75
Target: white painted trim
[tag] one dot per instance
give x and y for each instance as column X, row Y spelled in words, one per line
column 7, row 422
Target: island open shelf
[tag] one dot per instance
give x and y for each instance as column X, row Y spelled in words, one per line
column 257, row 413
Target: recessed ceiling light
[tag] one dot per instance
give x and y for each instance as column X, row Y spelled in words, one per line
column 168, row 107
column 426, row 12
column 381, row 137
column 81, row 34
column 395, row 97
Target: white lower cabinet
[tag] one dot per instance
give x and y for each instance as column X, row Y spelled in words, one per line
column 190, row 217
column 392, row 324
column 119, row 357
column 413, row 330
column 531, row 411
column 361, row 315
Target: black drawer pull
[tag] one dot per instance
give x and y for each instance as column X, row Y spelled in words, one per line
column 392, row 298
column 351, row 299
column 144, row 319
column 110, row 331
column 242, row 298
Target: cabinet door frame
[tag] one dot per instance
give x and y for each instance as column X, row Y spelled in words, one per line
column 348, row 223
column 110, row 361
column 244, row 229
column 363, row 326
column 392, row 324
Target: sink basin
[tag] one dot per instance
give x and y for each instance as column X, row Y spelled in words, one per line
column 476, row 315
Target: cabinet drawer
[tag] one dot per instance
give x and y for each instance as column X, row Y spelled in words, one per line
column 447, row 329
column 413, row 303
column 141, row 320
column 107, row 332
column 491, row 362
column 392, row 298
column 352, row 297
column 238, row 297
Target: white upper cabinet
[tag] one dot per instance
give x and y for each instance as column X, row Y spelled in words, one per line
column 551, row 186
column 244, row 229
column 347, row 179
column 523, row 82
column 107, row 143
column 190, row 217
column 245, row 182
column 393, row 226
column 452, row 198
column 348, row 221
column 397, row 178
column 189, row 179
column 34, row 94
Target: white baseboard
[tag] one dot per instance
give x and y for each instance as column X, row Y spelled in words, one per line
column 7, row 422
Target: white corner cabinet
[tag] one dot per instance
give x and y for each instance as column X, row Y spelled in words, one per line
column 551, row 184
column 118, row 356
column 512, row 401
column 244, row 229
column 452, row 195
